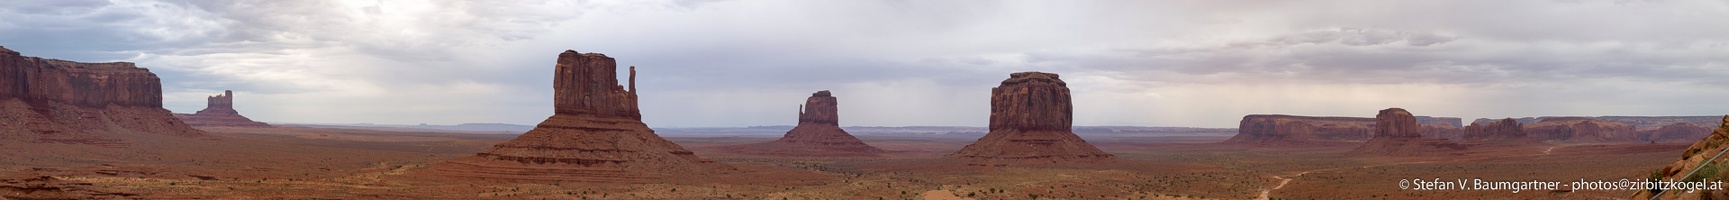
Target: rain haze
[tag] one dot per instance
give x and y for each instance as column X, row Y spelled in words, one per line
column 906, row 63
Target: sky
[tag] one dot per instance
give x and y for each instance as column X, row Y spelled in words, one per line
column 719, row 63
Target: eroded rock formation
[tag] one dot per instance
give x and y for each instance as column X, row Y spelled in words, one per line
column 1506, row 130
column 1677, row 132
column 1397, row 133
column 1031, row 117
column 1694, row 158
column 1581, row 129
column 596, row 134
column 219, row 111
column 48, row 100
column 818, row 134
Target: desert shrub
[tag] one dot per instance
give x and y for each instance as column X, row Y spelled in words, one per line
column 1656, row 175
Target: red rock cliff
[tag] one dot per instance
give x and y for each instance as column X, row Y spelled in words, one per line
column 1031, row 119
column 1397, row 123
column 48, row 100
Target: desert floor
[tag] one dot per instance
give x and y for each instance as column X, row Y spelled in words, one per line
column 324, row 163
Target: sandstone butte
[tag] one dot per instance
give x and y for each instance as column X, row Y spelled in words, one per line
column 818, row 134
column 58, row 101
column 219, row 111
column 1691, row 159
column 596, row 134
column 1503, row 131
column 1397, row 133
column 1031, row 123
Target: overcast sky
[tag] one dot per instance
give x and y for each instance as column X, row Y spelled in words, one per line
column 1202, row 63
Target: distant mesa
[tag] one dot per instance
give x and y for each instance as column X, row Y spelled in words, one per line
column 1442, row 127
column 58, row 101
column 1639, row 122
column 1506, row 130
column 1581, row 130
column 596, row 134
column 1691, row 160
column 1031, row 123
column 1291, row 130
column 1397, row 133
column 1677, row 132
column 818, row 134
column 219, row 111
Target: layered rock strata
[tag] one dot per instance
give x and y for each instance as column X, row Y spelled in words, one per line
column 58, row 101
column 1031, row 122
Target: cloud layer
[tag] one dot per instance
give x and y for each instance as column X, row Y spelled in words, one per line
column 896, row 63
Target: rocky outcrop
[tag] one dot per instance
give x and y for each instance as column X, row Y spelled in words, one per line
column 1031, row 115
column 219, row 111
column 1581, row 129
column 48, row 100
column 596, row 134
column 818, row 134
column 1694, row 158
column 1506, row 130
column 1677, row 132
column 1397, row 133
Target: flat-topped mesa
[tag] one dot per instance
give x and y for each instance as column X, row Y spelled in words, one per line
column 1031, row 116
column 219, row 111
column 1397, row 133
column 49, row 100
column 1288, row 130
column 596, row 135
column 1581, row 129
